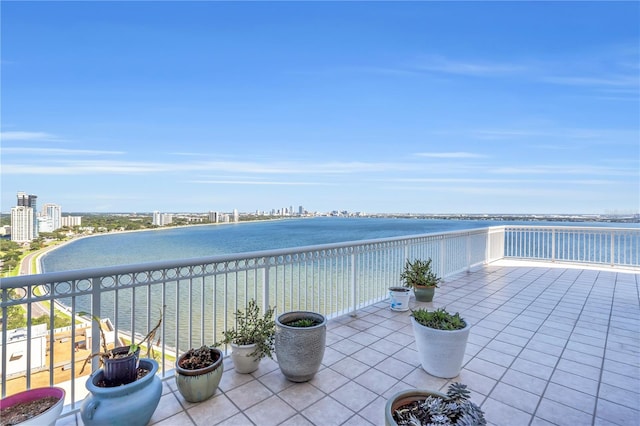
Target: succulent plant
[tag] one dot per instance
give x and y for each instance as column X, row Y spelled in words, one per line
column 439, row 319
column 455, row 410
column 419, row 273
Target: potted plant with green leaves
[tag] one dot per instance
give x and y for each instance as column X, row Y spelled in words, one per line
column 420, row 276
column 423, row 407
column 441, row 339
column 300, row 342
column 198, row 373
column 252, row 339
column 131, row 393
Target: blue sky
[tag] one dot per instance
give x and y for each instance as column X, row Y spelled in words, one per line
column 423, row 107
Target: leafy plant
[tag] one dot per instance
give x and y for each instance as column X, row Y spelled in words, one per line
column 107, row 353
column 302, row 322
column 455, row 410
column 439, row 319
column 419, row 273
column 251, row 327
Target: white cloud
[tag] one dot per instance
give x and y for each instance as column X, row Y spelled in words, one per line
column 449, row 155
column 28, row 136
column 57, row 151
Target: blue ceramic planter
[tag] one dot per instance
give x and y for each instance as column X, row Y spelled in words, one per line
column 132, row 404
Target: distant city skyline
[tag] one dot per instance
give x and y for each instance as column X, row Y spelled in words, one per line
column 379, row 107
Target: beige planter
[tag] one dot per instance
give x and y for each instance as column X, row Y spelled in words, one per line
column 242, row 362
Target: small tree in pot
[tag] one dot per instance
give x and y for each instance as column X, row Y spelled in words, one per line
column 419, row 275
column 252, row 339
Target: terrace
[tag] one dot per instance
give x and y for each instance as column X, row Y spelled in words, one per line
column 554, row 342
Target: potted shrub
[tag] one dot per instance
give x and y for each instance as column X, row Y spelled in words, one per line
column 441, row 338
column 252, row 339
column 420, row 276
column 422, row 407
column 33, row 407
column 299, row 344
column 198, row 373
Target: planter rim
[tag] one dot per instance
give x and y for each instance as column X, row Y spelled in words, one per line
column 199, row 371
column 400, row 289
column 466, row 327
column 302, row 314
column 146, row 363
column 407, row 396
column 31, row 395
column 235, row 345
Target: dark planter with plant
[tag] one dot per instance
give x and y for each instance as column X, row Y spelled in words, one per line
column 441, row 339
column 198, row 373
column 420, row 276
column 126, row 390
column 423, row 407
column 299, row 344
column 252, row 339
column 120, row 364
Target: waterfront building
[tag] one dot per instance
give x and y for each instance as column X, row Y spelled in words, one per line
column 162, row 219
column 22, row 224
column 31, row 201
column 213, row 217
column 53, row 214
column 71, row 221
column 236, row 216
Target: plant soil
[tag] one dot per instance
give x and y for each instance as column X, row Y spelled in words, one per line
column 195, row 359
column 25, row 410
column 141, row 373
column 303, row 322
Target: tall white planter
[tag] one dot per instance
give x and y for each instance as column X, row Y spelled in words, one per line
column 241, row 361
column 441, row 351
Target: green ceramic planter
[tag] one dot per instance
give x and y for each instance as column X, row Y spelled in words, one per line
column 424, row 293
column 198, row 385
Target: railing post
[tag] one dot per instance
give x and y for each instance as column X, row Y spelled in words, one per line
column 354, row 283
column 95, row 331
column 468, row 247
column 265, row 287
column 553, row 244
column 612, row 235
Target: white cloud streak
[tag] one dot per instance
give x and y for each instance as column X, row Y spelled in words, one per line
column 28, row 136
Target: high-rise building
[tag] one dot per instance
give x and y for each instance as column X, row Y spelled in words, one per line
column 25, row 200
column 162, row 219
column 22, row 224
column 213, row 217
column 236, row 216
column 53, row 215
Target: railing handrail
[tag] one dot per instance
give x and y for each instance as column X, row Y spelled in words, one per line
column 87, row 273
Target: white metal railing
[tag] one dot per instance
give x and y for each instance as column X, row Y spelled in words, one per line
column 592, row 245
column 200, row 296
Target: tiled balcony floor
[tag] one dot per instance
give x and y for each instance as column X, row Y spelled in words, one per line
column 549, row 346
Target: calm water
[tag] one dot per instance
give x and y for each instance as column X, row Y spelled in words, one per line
column 199, row 241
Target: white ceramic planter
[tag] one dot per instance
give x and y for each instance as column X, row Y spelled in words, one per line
column 243, row 363
column 441, row 351
column 399, row 298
